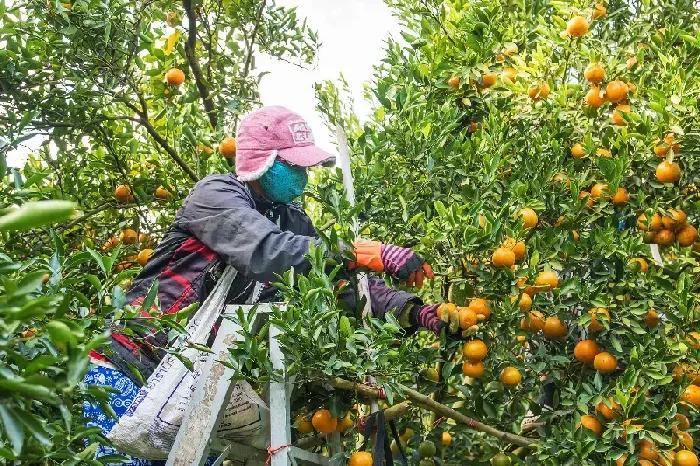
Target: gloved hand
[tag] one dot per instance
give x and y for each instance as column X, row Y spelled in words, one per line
column 426, row 316
column 400, row 263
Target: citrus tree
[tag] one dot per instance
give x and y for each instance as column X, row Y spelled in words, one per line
column 129, row 103
column 540, row 154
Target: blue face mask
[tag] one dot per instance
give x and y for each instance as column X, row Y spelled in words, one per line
column 284, row 183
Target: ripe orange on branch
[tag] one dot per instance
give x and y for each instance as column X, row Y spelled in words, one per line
column 608, row 412
column 605, row 363
column 586, row 351
column 592, row 423
column 503, row 257
column 128, row 236
column 595, row 325
column 616, row 91
column 654, row 225
column 175, row 76
column 599, row 11
column 538, row 91
column 123, row 193
column 453, row 81
column 475, row 350
column 361, row 458
column 578, row 151
column 687, row 235
column 509, row 74
column 594, row 97
column 554, row 328
column 473, row 369
column 324, row 422
column 617, row 114
column 668, row 172
column 594, row 73
column 547, row 280
column 227, row 147
column 685, row 458
column 577, row 26
column 510, row 376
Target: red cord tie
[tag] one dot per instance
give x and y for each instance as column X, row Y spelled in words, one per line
column 438, row 422
column 381, row 394
column 472, row 423
column 271, row 452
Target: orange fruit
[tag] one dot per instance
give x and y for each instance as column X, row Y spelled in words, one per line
column 606, row 411
column 603, row 152
column 111, row 243
column 675, row 219
column 227, row 147
column 510, row 376
column 324, row 422
column 204, row 148
column 684, row 439
column 652, row 318
column 475, row 350
column 621, row 460
column 595, row 325
column 488, row 80
column 547, row 279
column 692, row 374
column 577, row 150
column 467, row 318
column 631, row 61
column 554, row 328
column 693, row 339
column 446, row 307
column 687, row 235
column 617, row 114
column 627, row 423
column 587, row 196
column 453, row 81
column 593, row 97
column 668, row 172
column 446, row 439
column 592, row 423
column 616, row 90
column 518, row 247
column 647, row 450
column 345, row 423
column 529, row 217
column 586, row 351
column 594, row 73
column 525, row 302
column 577, row 26
column 162, row 193
column 600, row 190
column 509, row 74
column 361, row 458
column 533, row 322
column 473, row 369
column 598, row 11
column 503, row 257
column 666, row 458
column 621, row 196
column 304, row 425
column 538, row 91
column 649, row 237
column 479, row 306
column 122, row 193
column 682, row 420
column 143, row 256
column 175, row 76
column 561, row 178
column 605, row 363
column 685, row 458
column 645, row 225
column 45, row 279
column 128, row 236
column 665, row 238
column 576, row 235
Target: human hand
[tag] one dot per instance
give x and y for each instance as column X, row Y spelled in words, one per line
column 401, row 263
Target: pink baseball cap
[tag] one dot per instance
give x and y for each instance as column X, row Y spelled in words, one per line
column 273, row 132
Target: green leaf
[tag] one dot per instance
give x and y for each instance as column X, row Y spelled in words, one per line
column 12, row 427
column 36, row 428
column 37, row 213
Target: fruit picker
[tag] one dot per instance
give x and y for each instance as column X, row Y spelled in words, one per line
column 249, row 221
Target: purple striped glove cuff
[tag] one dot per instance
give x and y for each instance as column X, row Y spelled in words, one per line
column 426, row 317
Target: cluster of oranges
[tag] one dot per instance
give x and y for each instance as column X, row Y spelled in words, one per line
column 129, row 237
column 667, row 229
column 123, row 193
column 323, row 422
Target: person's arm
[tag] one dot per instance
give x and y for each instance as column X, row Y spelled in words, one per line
column 221, row 214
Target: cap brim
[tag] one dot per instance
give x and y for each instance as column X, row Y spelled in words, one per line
column 306, row 156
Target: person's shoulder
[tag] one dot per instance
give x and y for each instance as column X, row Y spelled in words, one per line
column 221, row 184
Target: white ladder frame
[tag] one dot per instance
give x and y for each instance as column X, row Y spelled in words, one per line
column 196, row 439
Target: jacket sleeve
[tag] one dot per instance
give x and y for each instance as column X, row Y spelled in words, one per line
column 384, row 299
column 222, row 215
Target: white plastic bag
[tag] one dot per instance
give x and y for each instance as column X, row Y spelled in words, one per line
column 148, row 428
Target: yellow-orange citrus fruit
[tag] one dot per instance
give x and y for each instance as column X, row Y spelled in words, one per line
column 480, row 306
column 227, row 147
column 162, row 193
column 605, row 363
column 503, row 257
column 600, row 152
column 446, row 307
column 446, row 439
column 586, row 351
column 600, row 190
column 144, row 255
column 304, row 425
column 665, row 238
column 122, row 193
column 533, row 322
column 654, row 225
column 621, row 196
column 687, row 235
column 608, row 412
column 575, row 235
column 594, row 73
column 509, row 74
column 684, row 439
column 668, row 172
column 593, row 97
column 598, row 11
column 621, row 460
column 554, row 328
column 647, row 450
column 577, row 26
column 652, row 318
column 688, row 371
column 128, row 236
column 204, row 148
column 547, row 280
column 682, row 420
column 488, row 80
column 674, row 219
column 510, row 376
column 616, row 90
column 345, row 423
column 578, row 151
column 538, row 91
column 467, row 317
column 631, row 61
column 453, row 81
column 587, row 196
column 617, row 114
column 593, row 424
column 473, row 369
column 596, row 325
column 361, row 458
column 525, row 302
column 475, row 350
column 324, row 422
column 693, row 339
column 175, row 77
column 685, row 458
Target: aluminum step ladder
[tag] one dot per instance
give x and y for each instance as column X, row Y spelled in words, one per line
column 197, row 438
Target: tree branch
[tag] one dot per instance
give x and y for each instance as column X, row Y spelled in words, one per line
column 427, row 403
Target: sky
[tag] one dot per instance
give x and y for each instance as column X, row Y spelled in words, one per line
column 352, row 36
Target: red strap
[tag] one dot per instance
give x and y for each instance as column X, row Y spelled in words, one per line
column 271, row 451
